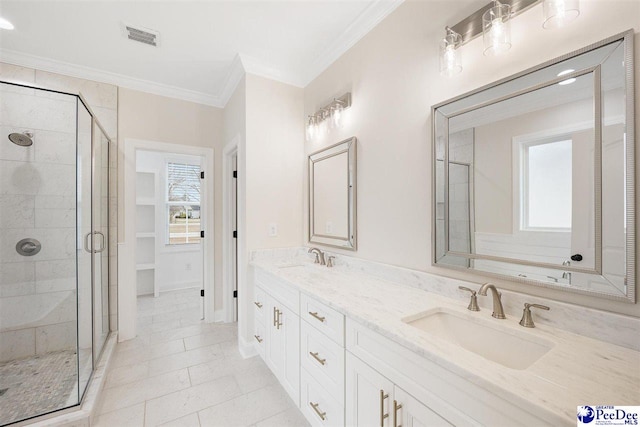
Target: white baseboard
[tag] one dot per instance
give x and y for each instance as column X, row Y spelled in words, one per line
column 246, row 348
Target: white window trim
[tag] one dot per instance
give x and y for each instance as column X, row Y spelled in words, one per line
column 519, row 143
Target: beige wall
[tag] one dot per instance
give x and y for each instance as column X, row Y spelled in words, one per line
column 157, row 118
column 270, row 164
column 393, row 75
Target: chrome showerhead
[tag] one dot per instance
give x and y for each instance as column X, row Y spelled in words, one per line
column 24, row 139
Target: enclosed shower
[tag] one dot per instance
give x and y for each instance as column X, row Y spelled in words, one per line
column 54, row 249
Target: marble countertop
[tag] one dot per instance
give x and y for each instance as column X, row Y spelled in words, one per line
column 576, row 371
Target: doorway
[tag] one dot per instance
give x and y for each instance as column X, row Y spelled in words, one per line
column 169, row 250
column 168, row 230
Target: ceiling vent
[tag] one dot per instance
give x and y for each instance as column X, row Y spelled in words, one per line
column 142, row 35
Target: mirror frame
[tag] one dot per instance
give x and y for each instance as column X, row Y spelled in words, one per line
column 630, row 296
column 347, row 146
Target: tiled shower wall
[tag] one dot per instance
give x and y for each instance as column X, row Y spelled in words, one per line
column 37, row 296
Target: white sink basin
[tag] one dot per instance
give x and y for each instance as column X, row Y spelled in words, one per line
column 508, row 348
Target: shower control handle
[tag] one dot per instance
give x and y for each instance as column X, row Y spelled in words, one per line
column 28, row 247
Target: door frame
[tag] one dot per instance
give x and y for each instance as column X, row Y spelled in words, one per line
column 127, row 249
column 229, row 270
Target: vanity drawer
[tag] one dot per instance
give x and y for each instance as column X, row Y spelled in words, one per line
column 325, row 319
column 259, row 337
column 323, row 359
column 259, row 305
column 278, row 289
column 317, row 404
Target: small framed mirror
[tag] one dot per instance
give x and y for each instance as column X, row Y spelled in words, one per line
column 534, row 175
column 332, row 195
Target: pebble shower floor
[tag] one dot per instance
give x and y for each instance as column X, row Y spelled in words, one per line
column 36, row 385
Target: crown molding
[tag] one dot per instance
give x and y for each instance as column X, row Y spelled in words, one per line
column 262, row 69
column 372, row 16
column 88, row 73
column 240, row 65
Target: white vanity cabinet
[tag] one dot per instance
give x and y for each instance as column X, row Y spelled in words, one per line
column 373, row 400
column 277, row 330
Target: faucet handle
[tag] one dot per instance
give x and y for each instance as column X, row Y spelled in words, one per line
column 473, row 303
column 330, row 261
column 317, row 259
column 527, row 319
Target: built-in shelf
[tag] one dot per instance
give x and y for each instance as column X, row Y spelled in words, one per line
column 149, row 234
column 146, row 190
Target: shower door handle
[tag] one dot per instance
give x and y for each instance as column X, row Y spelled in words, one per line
column 86, row 242
column 104, row 242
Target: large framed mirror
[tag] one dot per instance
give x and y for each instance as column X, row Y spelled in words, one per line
column 533, row 176
column 332, row 195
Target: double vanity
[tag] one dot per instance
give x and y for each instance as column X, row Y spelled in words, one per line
column 353, row 348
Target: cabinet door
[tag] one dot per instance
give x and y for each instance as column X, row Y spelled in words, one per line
column 369, row 395
column 408, row 412
column 282, row 350
column 274, row 338
column 290, row 379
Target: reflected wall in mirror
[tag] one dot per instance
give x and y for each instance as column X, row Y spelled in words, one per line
column 332, row 195
column 534, row 175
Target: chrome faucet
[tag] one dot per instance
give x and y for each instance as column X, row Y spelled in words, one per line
column 319, row 256
column 498, row 311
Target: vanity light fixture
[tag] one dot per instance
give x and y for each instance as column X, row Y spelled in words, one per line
column 5, row 24
column 328, row 116
column 558, row 13
column 496, row 29
column 493, row 21
column 450, row 62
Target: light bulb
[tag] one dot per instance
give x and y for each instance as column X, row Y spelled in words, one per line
column 450, row 54
column 496, row 28
column 558, row 13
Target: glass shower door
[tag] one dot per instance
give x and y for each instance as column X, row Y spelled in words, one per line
column 101, row 240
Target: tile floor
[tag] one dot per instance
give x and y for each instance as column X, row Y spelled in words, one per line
column 180, row 371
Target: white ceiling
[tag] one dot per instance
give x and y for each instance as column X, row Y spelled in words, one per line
column 205, row 46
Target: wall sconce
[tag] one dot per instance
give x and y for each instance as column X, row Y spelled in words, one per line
column 558, row 13
column 493, row 21
column 330, row 115
column 450, row 62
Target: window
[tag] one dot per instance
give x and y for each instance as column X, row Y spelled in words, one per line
column 183, row 203
column 546, row 185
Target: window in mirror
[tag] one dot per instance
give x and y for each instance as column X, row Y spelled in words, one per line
column 546, row 183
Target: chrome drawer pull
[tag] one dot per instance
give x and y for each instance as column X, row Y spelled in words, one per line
column 315, row 314
column 258, row 304
column 315, row 356
column 257, row 337
column 322, row 415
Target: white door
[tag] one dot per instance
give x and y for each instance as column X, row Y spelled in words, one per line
column 369, row 395
column 408, row 412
